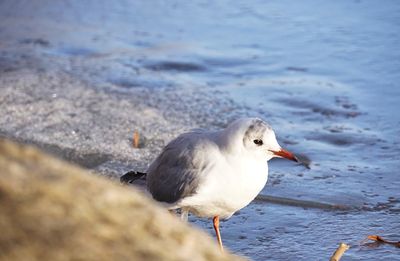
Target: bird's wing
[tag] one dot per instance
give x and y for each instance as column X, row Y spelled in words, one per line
column 180, row 168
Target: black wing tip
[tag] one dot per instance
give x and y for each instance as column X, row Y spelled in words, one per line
column 131, row 176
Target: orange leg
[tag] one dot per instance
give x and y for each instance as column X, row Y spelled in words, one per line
column 216, row 228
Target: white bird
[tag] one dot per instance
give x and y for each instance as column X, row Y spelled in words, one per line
column 214, row 173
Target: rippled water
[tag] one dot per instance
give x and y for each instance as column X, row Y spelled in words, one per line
column 324, row 74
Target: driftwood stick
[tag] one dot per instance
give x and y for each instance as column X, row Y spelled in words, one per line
column 300, row 203
column 382, row 240
column 339, row 252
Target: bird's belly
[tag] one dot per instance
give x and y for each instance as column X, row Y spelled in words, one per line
column 227, row 193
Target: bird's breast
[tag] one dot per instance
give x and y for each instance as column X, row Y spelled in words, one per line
column 249, row 179
column 229, row 187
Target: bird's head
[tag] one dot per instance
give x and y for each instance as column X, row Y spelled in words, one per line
column 255, row 136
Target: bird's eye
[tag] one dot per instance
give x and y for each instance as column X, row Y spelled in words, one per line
column 258, row 142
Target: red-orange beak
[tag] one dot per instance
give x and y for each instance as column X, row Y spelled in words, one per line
column 285, row 154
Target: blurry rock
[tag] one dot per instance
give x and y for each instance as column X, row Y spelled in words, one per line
column 51, row 210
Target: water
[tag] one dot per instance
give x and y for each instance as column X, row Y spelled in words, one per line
column 324, row 74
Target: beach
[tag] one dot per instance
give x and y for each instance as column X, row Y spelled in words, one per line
column 78, row 78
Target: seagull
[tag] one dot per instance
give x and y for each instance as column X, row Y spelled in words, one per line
column 213, row 174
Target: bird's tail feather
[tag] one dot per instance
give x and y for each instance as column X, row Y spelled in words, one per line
column 131, row 176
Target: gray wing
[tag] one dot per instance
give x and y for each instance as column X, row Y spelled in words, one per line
column 177, row 172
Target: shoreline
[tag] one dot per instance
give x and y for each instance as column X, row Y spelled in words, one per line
column 90, row 121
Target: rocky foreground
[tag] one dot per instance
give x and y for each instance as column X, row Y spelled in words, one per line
column 51, row 210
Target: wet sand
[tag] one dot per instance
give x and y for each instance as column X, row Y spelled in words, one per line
column 78, row 83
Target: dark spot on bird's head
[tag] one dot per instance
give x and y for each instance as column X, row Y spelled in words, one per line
column 255, row 133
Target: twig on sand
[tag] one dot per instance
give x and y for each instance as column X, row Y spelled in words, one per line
column 339, row 252
column 136, row 139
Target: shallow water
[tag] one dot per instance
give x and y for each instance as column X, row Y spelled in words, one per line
column 324, row 74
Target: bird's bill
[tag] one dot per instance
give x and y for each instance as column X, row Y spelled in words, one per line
column 282, row 153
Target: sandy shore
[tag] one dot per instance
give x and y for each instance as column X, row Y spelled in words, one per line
column 92, row 123
column 81, row 106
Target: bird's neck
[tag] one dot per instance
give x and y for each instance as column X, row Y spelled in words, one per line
column 229, row 141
